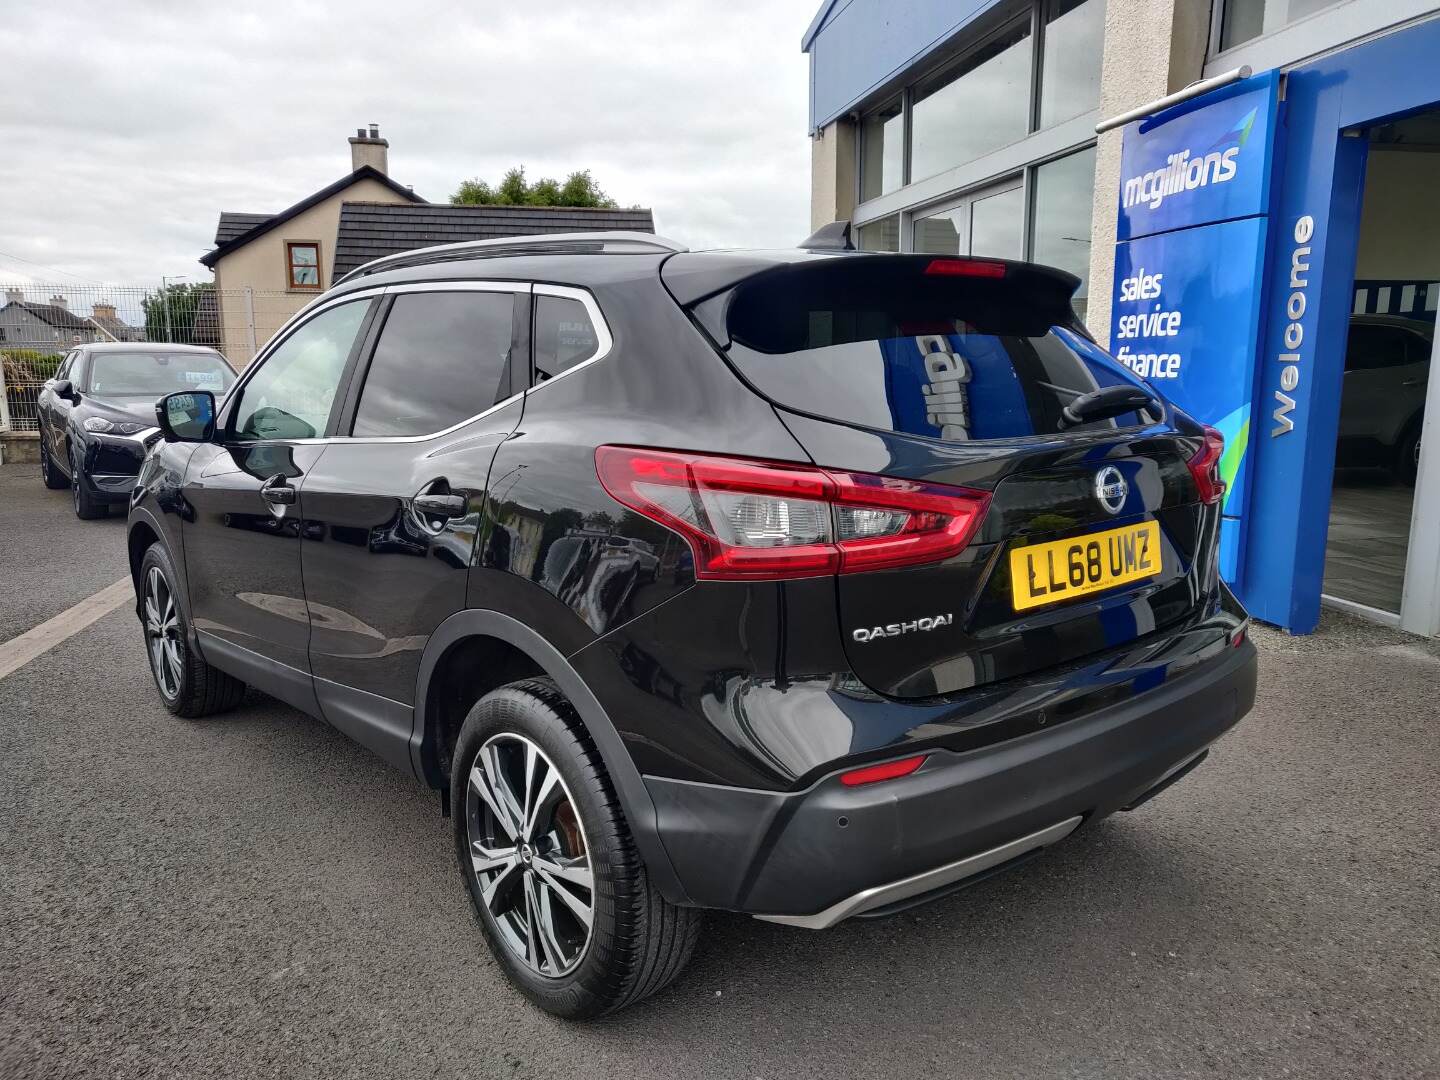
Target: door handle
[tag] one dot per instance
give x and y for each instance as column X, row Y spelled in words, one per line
column 277, row 492
column 439, row 506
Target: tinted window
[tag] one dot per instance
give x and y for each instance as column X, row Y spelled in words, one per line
column 158, row 373
column 290, row 397
column 882, row 145
column 440, row 360
column 564, row 334
column 1371, row 347
column 1070, row 72
column 890, row 347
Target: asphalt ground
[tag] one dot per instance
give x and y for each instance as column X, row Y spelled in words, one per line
column 253, row 895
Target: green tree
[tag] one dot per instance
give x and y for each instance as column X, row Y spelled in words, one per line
column 170, row 311
column 579, row 189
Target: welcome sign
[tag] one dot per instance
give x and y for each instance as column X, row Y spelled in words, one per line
column 1192, row 227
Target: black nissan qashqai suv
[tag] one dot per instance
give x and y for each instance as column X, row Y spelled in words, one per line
column 808, row 584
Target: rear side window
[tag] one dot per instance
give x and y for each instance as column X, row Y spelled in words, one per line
column 564, row 335
column 886, row 345
column 442, row 358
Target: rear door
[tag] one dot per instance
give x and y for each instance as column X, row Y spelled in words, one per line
column 956, row 372
column 393, row 507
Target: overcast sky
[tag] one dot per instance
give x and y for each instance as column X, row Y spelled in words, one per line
column 123, row 133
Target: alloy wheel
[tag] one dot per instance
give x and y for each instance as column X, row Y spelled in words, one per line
column 75, row 484
column 162, row 632
column 529, row 854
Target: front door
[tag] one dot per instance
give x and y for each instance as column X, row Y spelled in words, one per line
column 393, row 506
column 244, row 515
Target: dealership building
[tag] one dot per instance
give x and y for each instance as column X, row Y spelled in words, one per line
column 1247, row 190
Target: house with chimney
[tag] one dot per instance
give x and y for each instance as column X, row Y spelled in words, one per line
column 269, row 266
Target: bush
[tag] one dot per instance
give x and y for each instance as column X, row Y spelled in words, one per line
column 29, row 365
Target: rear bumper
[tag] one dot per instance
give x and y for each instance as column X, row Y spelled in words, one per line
column 815, row 857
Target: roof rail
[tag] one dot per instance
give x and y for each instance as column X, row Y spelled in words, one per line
column 617, row 242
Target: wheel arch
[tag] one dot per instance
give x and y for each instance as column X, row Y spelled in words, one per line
column 513, row 641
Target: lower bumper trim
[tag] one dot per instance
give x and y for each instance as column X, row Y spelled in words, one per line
column 928, row 881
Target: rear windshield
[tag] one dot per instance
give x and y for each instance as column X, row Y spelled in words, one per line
column 883, row 344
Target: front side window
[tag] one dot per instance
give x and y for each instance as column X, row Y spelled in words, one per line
column 291, row 396
column 152, row 374
column 978, row 106
column 303, row 263
column 441, row 359
column 564, row 335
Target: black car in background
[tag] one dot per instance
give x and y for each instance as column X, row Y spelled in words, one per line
column 805, row 584
column 98, row 412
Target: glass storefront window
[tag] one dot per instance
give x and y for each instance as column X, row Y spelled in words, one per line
column 944, row 232
column 882, row 150
column 882, row 235
column 1070, row 70
column 1060, row 230
column 997, row 224
column 1242, row 20
column 978, row 106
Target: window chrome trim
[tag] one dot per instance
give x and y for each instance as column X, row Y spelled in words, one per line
column 605, row 341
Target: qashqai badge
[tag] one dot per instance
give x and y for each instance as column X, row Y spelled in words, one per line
column 1111, row 490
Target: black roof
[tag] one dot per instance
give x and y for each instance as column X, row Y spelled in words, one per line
column 364, row 172
column 235, row 223
column 373, row 230
column 57, row 316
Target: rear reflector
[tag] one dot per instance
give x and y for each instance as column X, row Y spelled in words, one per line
column 889, row 770
column 1205, row 466
column 749, row 520
column 966, row 268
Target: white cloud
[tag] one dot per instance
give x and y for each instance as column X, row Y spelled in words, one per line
column 125, row 136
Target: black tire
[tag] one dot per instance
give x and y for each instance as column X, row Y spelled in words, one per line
column 637, row 942
column 87, row 506
column 51, row 475
column 1407, row 455
column 188, row 686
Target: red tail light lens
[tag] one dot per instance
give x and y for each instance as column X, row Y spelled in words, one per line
column 889, row 770
column 748, row 520
column 1205, row 466
column 965, row 268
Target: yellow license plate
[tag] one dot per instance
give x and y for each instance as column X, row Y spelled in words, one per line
column 1063, row 569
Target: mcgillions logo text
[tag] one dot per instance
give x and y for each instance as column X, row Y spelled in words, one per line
column 1181, row 173
column 895, row 629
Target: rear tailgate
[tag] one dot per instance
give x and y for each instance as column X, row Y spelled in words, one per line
column 957, row 373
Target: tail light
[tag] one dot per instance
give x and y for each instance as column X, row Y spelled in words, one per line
column 965, row 268
column 1205, row 466
column 748, row 520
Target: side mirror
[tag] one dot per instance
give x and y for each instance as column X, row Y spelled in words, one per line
column 65, row 388
column 188, row 416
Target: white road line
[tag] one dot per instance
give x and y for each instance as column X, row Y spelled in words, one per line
column 19, row 651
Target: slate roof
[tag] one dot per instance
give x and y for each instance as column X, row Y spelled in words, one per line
column 57, row 316
column 235, row 223
column 373, row 230
column 118, row 328
column 224, row 247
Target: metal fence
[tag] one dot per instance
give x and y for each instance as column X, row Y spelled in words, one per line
column 41, row 323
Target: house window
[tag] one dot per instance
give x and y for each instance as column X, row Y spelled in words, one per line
column 303, row 263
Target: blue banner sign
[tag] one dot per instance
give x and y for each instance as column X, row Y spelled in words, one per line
column 1195, row 165
column 1186, row 309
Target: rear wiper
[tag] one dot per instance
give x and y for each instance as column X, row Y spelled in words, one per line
column 1104, row 403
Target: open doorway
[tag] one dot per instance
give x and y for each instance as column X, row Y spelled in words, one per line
column 1387, row 368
